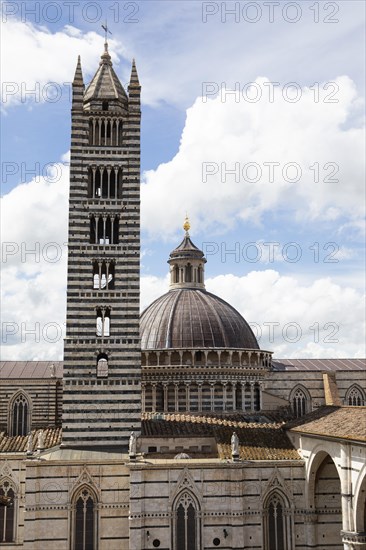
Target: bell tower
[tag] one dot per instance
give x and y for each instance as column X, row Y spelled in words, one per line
column 102, row 358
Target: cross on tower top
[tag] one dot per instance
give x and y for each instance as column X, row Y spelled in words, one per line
column 106, row 31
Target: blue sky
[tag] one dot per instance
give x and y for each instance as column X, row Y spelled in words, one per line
column 204, row 141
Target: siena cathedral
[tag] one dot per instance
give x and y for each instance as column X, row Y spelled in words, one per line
column 172, row 429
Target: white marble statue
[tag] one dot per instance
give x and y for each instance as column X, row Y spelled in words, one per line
column 234, row 445
column 30, row 444
column 40, row 444
column 132, row 445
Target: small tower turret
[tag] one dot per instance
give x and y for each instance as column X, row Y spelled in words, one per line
column 187, row 263
column 78, row 87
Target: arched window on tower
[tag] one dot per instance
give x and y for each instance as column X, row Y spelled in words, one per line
column 7, row 511
column 277, row 529
column 199, row 274
column 186, row 528
column 85, row 520
column 104, row 182
column 300, row 401
column 105, row 106
column 104, row 230
column 20, row 415
column 103, row 327
column 355, row 397
column 102, row 365
column 103, row 275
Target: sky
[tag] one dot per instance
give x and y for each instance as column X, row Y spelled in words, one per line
column 252, row 123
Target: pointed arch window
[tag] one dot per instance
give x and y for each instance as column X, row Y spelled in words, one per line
column 20, row 415
column 186, row 529
column 85, row 520
column 7, row 512
column 277, row 529
column 355, row 397
column 299, row 402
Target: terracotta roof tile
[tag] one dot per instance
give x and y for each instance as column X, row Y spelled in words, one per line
column 258, row 441
column 18, row 444
column 340, row 422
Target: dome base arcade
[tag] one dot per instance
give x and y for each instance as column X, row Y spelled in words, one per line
column 215, row 380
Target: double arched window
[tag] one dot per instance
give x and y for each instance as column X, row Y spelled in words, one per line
column 7, row 511
column 103, row 275
column 103, row 322
column 186, row 522
column 84, row 520
column 355, row 396
column 20, row 414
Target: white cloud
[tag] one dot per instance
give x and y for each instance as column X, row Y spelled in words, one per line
column 50, row 58
column 309, row 141
column 34, row 260
column 321, row 319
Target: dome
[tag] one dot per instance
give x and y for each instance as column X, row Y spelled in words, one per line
column 194, row 318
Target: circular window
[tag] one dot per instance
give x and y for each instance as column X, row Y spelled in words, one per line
column 216, row 542
column 156, row 543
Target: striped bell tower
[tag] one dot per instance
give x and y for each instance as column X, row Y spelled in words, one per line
column 102, row 358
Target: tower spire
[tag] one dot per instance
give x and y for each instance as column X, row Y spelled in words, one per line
column 78, row 87
column 78, row 78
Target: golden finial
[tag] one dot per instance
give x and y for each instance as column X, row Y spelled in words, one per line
column 186, row 225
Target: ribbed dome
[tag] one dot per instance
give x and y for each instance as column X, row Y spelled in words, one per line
column 193, row 318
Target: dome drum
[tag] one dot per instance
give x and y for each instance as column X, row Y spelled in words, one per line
column 208, row 358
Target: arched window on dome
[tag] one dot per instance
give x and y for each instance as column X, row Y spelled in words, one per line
column 186, row 522
column 199, row 274
column 175, row 274
column 355, row 397
column 257, row 397
column 20, row 417
column 188, row 274
column 84, row 520
column 7, row 511
column 300, row 401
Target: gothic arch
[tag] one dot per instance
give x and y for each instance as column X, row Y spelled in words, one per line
column 84, row 517
column 8, row 514
column 315, row 461
column 186, row 521
column 20, row 413
column 324, row 495
column 355, row 396
column 360, row 502
column 300, row 400
column 277, row 520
